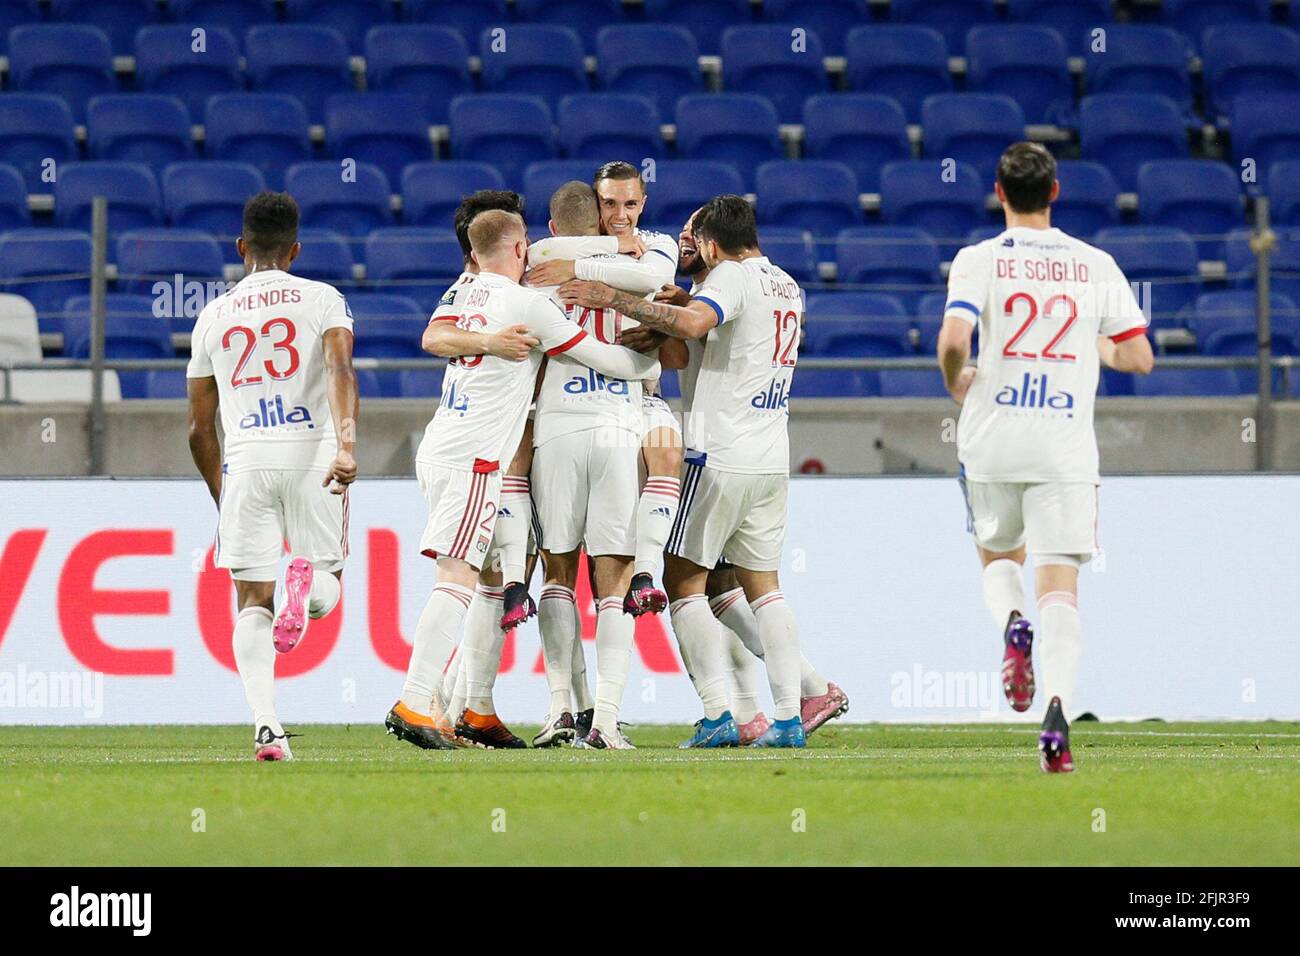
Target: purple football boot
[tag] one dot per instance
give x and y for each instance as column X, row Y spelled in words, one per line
column 1018, row 664
column 1054, row 741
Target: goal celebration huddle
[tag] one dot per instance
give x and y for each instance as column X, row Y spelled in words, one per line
column 551, row 440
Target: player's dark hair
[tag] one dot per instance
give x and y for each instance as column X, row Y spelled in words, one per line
column 482, row 201
column 270, row 224
column 1026, row 173
column 617, row 169
column 728, row 221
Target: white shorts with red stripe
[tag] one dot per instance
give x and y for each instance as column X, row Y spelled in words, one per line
column 1047, row 517
column 741, row 516
column 462, row 511
column 585, row 491
column 261, row 510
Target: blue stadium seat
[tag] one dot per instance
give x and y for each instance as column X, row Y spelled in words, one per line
column 1194, row 17
column 706, row 18
column 36, row 128
column 831, row 20
column 861, row 130
column 1073, row 19
column 384, row 129
column 856, row 325
column 470, row 17
column 764, row 60
column 126, row 338
column 1266, row 130
column 1142, row 59
column 1235, row 312
column 1162, row 255
column 542, row 179
column 16, row 13
column 432, row 191
column 264, row 130
column 13, row 200
column 912, row 383
column 119, row 19
column 587, row 17
column 929, row 309
column 1026, row 63
column 1248, row 59
column 505, row 130
column 735, row 128
column 792, row 249
column 72, row 61
column 237, row 16
column 307, row 62
column 682, row 186
column 431, row 62
column 598, row 126
column 417, row 263
column 1284, row 193
column 904, row 62
column 974, row 128
column 835, row 383
column 952, row 18
column 984, row 233
column 210, row 195
column 123, row 309
column 1087, row 199
column 28, row 256
column 652, row 59
column 352, row 18
column 380, row 306
column 369, row 384
column 1176, row 382
column 915, row 193
column 1199, row 196
column 421, row 382
column 166, row 62
column 134, row 199
column 166, row 383
column 326, row 201
column 535, row 60
column 1284, row 263
column 139, row 128
column 817, row 195
column 146, row 256
column 900, row 260
column 387, row 326
column 1124, row 130
column 325, row 256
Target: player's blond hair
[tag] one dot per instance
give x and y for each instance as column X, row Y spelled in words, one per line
column 492, row 229
column 574, row 210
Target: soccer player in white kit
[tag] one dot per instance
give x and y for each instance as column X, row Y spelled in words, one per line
column 480, row 419
column 274, row 357
column 737, row 459
column 1050, row 309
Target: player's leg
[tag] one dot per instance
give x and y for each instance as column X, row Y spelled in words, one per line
column 614, row 638
column 656, row 508
column 513, row 523
column 747, row 679
column 316, row 527
column 477, row 723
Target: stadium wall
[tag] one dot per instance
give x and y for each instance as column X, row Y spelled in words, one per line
column 111, row 612
column 847, row 436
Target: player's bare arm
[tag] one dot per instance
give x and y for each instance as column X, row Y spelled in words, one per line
column 691, row 321
column 1132, row 355
column 205, row 448
column 341, row 391
column 443, row 339
column 954, row 353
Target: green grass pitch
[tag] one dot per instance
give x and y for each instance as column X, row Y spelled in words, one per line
column 1150, row 793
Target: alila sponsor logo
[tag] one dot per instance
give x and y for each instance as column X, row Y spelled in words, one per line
column 454, row 399
column 593, row 382
column 75, row 908
column 776, row 398
column 1034, row 391
column 271, row 413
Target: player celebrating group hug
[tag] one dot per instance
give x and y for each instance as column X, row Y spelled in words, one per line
column 550, row 439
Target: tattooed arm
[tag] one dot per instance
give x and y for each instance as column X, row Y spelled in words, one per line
column 690, row 321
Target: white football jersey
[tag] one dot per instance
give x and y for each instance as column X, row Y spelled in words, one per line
column 1040, row 298
column 262, row 343
column 739, row 406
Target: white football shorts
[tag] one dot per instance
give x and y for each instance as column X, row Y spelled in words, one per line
column 656, row 413
column 585, row 491
column 1047, row 517
column 741, row 516
column 462, row 512
column 260, row 510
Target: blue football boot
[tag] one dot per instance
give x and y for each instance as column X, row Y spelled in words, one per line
column 782, row 733
column 721, row 732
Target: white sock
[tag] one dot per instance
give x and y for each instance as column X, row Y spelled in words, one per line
column 700, row 638
column 746, row 678
column 614, row 631
column 255, row 659
column 456, row 706
column 556, row 612
column 655, row 512
column 780, row 636
column 447, row 687
column 435, row 640
column 325, row 593
column 481, row 648
column 1058, row 646
column 581, row 692
column 733, row 611
column 511, row 534
column 1004, row 590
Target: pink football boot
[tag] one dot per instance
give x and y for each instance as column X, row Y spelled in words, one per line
column 291, row 622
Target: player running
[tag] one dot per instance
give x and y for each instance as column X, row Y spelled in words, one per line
column 274, row 355
column 738, row 459
column 480, row 419
column 1025, row 438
